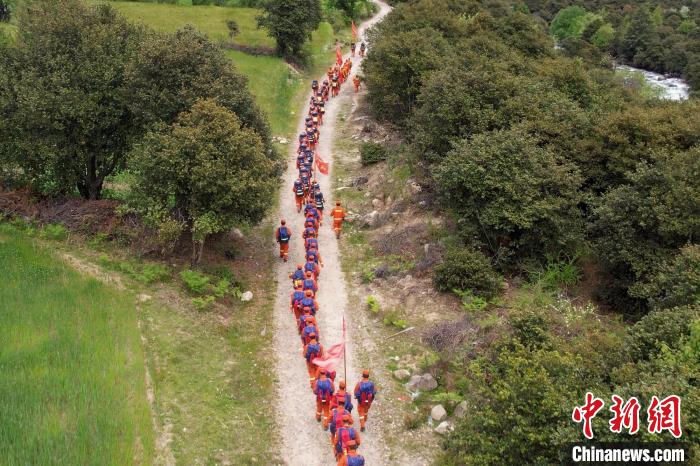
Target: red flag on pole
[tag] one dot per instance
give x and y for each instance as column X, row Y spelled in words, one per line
column 331, row 357
column 338, row 54
column 354, row 31
column 321, row 165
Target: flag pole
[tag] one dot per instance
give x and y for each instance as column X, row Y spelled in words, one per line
column 345, row 364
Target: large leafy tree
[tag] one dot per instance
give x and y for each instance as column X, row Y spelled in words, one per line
column 290, row 23
column 203, row 174
column 65, row 118
column 169, row 72
column 641, row 225
column 519, row 198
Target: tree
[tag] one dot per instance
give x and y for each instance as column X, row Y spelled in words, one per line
column 290, row 23
column 396, row 68
column 205, row 173
column 519, row 198
column 169, row 72
column 66, row 119
column 640, row 226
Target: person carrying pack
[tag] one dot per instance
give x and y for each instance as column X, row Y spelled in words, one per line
column 323, row 390
column 342, row 398
column 313, row 349
column 295, row 301
column 343, row 436
column 365, row 394
column 351, row 457
column 283, row 235
column 298, row 190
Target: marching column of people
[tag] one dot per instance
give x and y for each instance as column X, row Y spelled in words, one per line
column 333, row 406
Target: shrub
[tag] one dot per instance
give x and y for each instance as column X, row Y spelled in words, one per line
column 677, row 283
column 221, row 288
column 151, row 273
column 373, row 304
column 195, row 281
column 371, row 152
column 203, row 303
column 54, row 232
column 659, row 328
column 530, row 328
column 464, row 269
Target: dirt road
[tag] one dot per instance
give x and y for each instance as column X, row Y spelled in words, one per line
column 303, row 440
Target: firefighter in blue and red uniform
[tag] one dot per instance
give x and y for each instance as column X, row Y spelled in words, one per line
column 298, row 190
column 283, row 235
column 309, row 301
column 365, row 394
column 295, row 301
column 323, row 390
column 313, row 349
column 351, row 457
column 343, row 436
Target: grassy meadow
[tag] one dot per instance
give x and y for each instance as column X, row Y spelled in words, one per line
column 276, row 85
column 72, row 389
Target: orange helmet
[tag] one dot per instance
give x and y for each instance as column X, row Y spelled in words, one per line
column 308, row 274
column 309, row 293
column 365, row 374
column 341, row 384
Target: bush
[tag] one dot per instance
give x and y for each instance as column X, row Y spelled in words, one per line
column 371, row 152
column 659, row 328
column 151, row 273
column 203, row 303
column 373, row 304
column 677, row 283
column 463, row 269
column 54, row 232
column 195, row 281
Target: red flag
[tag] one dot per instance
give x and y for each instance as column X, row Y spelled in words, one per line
column 354, row 31
column 338, row 54
column 331, row 357
column 321, row 164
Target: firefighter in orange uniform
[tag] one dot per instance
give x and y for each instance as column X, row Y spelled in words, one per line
column 283, row 235
column 323, row 389
column 338, row 214
column 365, row 394
column 313, row 349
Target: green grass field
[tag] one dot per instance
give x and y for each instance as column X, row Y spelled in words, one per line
column 208, row 19
column 72, row 389
column 276, row 86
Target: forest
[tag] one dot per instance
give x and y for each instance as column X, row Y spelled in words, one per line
column 542, row 160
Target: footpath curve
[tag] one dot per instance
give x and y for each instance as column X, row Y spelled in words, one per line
column 303, row 441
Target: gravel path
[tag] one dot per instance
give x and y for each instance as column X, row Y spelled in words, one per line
column 303, row 440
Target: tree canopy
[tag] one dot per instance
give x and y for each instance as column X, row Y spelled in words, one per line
column 203, row 174
column 290, row 23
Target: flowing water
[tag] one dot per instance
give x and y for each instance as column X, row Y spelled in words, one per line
column 669, row 88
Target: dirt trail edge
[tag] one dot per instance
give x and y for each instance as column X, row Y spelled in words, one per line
column 303, row 440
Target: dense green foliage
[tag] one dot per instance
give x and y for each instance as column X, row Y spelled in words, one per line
column 372, row 152
column 80, row 85
column 72, row 364
column 290, row 22
column 467, row 270
column 535, row 153
column 538, row 155
column 661, row 36
column 203, row 174
column 65, row 119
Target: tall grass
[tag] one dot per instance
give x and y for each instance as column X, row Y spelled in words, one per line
column 72, row 387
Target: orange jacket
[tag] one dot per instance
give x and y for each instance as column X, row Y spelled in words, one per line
column 338, row 214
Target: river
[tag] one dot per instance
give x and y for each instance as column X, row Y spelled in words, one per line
column 670, row 88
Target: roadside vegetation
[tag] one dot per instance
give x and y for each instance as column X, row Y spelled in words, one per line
column 72, row 361
column 546, row 198
column 132, row 86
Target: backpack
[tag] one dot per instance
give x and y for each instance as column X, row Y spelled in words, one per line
column 308, row 330
column 308, row 302
column 298, row 188
column 346, row 434
column 312, row 351
column 366, row 392
column 298, row 296
column 319, row 200
column 357, row 460
column 312, row 255
column 308, row 284
column 323, row 390
column 284, row 235
column 312, row 243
